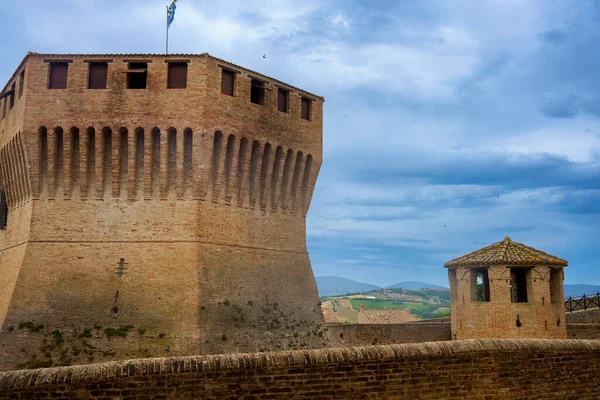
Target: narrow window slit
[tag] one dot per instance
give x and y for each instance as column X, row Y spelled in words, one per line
column 123, row 159
column 216, row 156
column 58, row 160
column 229, row 163
column 106, row 159
column 287, row 167
column 43, row 157
column 264, row 172
column 3, row 210
column 187, row 159
column 155, row 169
column 296, row 178
column 75, row 161
column 306, row 180
column 171, row 159
column 21, row 83
column 139, row 161
column 91, row 160
column 240, row 171
column 275, row 176
column 252, row 173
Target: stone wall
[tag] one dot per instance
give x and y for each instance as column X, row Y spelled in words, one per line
column 490, row 369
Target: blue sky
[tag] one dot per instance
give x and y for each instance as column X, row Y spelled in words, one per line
column 449, row 124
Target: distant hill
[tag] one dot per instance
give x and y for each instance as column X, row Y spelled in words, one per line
column 338, row 286
column 576, row 290
column 411, row 285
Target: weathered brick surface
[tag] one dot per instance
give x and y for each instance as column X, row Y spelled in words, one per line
column 211, row 230
column 583, row 331
column 342, row 335
column 591, row 316
column 490, row 369
column 497, row 318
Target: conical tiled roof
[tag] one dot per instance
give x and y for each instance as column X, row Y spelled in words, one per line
column 506, row 252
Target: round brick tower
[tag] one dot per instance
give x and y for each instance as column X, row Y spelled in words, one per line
column 507, row 290
column 156, row 205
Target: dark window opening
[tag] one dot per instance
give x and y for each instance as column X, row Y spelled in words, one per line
column 187, row 158
column 58, row 75
column 3, row 210
column 98, row 75
column 139, row 160
column 282, row 100
column 123, row 159
column 518, row 284
column 306, row 109
column 106, row 159
column 59, row 157
column 171, row 158
column 3, row 107
column 137, row 75
column 21, row 83
column 480, row 285
column 227, row 82
column 257, row 92
column 12, row 95
column 177, row 76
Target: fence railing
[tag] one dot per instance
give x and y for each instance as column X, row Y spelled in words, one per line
column 583, row 302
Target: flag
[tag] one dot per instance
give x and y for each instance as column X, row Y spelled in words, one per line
column 171, row 12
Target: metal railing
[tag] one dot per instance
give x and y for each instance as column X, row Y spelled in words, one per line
column 583, row 302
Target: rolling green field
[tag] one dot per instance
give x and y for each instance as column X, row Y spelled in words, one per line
column 418, row 309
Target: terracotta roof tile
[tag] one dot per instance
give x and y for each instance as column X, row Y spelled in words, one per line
column 506, row 252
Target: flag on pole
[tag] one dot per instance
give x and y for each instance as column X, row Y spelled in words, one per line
column 171, row 13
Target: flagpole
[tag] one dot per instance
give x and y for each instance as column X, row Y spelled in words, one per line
column 167, row 50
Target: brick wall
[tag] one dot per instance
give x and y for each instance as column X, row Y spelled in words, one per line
column 583, row 331
column 584, row 317
column 539, row 317
column 370, row 334
column 203, row 196
column 491, row 369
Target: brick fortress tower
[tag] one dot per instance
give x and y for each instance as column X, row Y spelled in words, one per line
column 507, row 290
column 160, row 196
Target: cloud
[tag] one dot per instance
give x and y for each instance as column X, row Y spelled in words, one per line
column 449, row 124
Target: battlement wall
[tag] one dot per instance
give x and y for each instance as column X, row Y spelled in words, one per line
column 468, row 369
